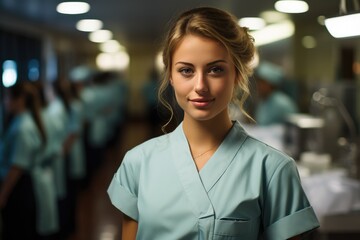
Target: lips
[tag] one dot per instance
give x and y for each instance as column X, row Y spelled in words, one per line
column 201, row 102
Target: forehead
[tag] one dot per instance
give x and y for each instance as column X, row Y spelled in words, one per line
column 193, row 47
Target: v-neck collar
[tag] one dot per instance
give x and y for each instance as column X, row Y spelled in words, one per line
column 188, row 175
column 222, row 158
column 215, row 167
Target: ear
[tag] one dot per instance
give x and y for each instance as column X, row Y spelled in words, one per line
column 171, row 82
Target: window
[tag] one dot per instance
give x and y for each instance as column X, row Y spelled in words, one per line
column 33, row 70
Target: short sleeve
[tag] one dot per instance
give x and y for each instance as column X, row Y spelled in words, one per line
column 287, row 211
column 25, row 149
column 123, row 189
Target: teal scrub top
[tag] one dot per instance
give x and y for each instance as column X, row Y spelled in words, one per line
column 57, row 132
column 27, row 152
column 247, row 190
column 21, row 134
column 105, row 108
column 275, row 109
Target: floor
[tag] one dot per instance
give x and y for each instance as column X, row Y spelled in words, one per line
column 97, row 219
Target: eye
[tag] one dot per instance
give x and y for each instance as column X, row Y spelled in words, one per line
column 216, row 70
column 186, row 71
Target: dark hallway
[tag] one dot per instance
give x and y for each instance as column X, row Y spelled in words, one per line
column 97, row 219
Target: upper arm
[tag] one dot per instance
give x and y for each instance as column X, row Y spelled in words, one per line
column 286, row 205
column 129, row 228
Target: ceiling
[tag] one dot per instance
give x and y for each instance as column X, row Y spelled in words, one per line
column 135, row 22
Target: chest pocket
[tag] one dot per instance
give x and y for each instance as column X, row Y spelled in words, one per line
column 236, row 229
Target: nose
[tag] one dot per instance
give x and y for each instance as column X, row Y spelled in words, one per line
column 201, row 84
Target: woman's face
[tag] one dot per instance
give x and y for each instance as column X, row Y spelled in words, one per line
column 203, row 77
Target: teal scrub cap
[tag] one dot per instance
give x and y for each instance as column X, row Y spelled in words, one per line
column 81, row 74
column 270, row 73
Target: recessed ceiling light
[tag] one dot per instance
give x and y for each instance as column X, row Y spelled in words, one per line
column 113, row 61
column 100, row 36
column 89, row 25
column 253, row 23
column 111, row 46
column 291, row 6
column 273, row 16
column 73, row 7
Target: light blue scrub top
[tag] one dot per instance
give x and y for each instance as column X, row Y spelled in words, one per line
column 247, row 190
column 105, row 107
column 275, row 109
column 21, row 145
column 77, row 168
column 97, row 102
column 57, row 116
column 27, row 152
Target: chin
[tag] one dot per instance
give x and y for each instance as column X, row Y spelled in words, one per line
column 202, row 117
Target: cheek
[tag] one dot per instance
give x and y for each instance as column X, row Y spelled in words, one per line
column 225, row 88
column 181, row 86
column 180, row 90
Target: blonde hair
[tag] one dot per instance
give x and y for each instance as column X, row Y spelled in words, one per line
column 222, row 27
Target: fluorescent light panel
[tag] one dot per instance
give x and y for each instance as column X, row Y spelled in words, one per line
column 253, row 23
column 291, row 6
column 73, row 7
column 273, row 16
column 113, row 61
column 344, row 26
column 111, row 46
column 273, row 33
column 100, row 36
column 89, row 25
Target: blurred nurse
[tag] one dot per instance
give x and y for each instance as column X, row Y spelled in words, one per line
column 20, row 149
column 274, row 106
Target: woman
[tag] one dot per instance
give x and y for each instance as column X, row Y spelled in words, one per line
column 208, row 179
column 22, row 148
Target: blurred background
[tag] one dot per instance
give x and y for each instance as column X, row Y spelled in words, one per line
column 101, row 63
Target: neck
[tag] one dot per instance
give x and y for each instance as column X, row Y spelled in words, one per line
column 206, row 134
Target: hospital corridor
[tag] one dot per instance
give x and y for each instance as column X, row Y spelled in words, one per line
column 256, row 105
column 97, row 218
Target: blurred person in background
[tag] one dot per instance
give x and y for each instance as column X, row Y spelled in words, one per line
column 24, row 177
column 75, row 143
column 274, row 106
column 70, row 113
column 118, row 93
column 51, row 155
column 104, row 99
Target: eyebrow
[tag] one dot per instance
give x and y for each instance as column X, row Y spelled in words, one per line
column 208, row 64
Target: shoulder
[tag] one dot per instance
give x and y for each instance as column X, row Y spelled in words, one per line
column 28, row 133
column 255, row 149
column 270, row 160
column 265, row 149
column 26, row 123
